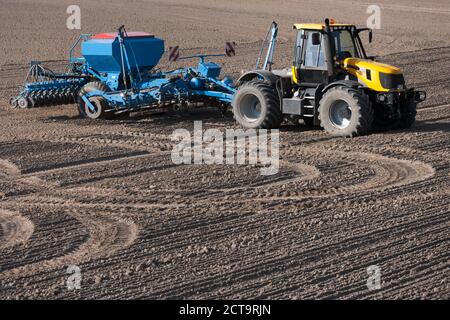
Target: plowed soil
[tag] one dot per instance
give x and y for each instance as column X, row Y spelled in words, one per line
column 105, row 196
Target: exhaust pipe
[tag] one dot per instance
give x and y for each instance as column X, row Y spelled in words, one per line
column 330, row 50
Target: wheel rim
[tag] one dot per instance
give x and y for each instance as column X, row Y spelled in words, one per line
column 95, row 101
column 22, row 103
column 340, row 114
column 250, row 108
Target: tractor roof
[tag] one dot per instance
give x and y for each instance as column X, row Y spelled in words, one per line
column 319, row 26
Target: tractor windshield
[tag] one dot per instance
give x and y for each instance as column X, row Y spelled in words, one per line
column 345, row 44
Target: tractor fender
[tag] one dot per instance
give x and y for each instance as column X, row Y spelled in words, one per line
column 345, row 83
column 258, row 74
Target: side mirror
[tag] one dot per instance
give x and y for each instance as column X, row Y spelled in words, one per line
column 315, row 38
column 370, row 36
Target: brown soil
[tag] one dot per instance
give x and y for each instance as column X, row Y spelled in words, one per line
column 106, row 196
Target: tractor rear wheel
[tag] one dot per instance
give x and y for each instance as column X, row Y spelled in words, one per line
column 256, row 105
column 100, row 104
column 408, row 114
column 345, row 112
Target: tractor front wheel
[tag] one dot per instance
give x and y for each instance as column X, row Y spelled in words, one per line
column 100, row 104
column 408, row 114
column 256, row 105
column 345, row 112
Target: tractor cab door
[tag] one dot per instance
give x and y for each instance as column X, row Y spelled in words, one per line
column 310, row 68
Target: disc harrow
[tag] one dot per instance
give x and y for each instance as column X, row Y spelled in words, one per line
column 48, row 93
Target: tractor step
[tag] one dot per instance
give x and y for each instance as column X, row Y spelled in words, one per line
column 299, row 106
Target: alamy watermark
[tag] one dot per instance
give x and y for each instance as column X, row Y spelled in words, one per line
column 233, row 146
column 74, row 280
column 374, row 280
column 374, row 19
column 73, row 22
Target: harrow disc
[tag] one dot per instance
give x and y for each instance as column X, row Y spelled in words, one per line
column 13, row 103
column 58, row 92
column 23, row 102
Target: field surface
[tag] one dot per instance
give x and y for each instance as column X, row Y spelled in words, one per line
column 106, row 197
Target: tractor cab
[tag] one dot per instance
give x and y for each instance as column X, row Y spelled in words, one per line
column 318, row 52
column 329, row 52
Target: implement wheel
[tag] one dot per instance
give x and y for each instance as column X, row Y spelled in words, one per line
column 256, row 105
column 13, row 103
column 23, row 103
column 100, row 104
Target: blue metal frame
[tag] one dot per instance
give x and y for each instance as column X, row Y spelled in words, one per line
column 133, row 87
column 179, row 85
column 72, row 58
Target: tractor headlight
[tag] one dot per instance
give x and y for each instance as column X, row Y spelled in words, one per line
column 385, row 98
column 420, row 96
column 382, row 98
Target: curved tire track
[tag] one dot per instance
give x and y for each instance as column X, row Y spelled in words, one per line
column 14, row 229
column 107, row 235
column 389, row 173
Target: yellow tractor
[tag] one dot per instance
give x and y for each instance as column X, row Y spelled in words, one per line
column 332, row 83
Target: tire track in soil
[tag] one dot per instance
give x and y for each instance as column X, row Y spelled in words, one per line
column 389, row 172
column 68, row 203
column 290, row 263
column 434, row 113
column 74, row 166
column 107, row 234
column 416, row 174
column 218, row 231
column 14, row 229
column 404, row 173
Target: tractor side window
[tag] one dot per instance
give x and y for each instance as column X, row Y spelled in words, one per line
column 314, row 54
column 345, row 47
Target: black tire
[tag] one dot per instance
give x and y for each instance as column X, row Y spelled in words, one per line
column 256, row 105
column 408, row 114
column 384, row 118
column 382, row 123
column 345, row 112
column 99, row 102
